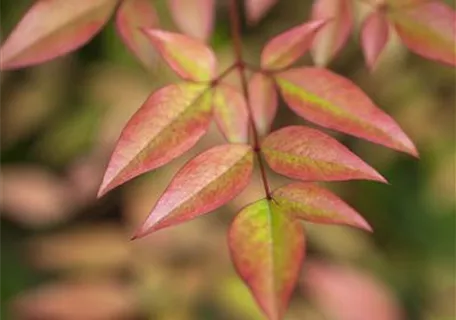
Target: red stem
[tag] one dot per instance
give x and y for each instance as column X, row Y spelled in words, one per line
column 240, row 66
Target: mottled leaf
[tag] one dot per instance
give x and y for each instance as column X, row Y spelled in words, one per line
column 194, row 17
column 53, row 28
column 428, row 29
column 133, row 15
column 315, row 204
column 188, row 57
column 330, row 40
column 267, row 247
column 230, row 113
column 283, row 50
column 169, row 123
column 205, row 183
column 263, row 101
column 257, row 9
column 310, row 155
column 332, row 101
column 374, row 36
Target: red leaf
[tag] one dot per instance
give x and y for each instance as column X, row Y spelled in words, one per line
column 194, row 17
column 230, row 113
column 347, row 294
column 315, row 204
column 131, row 17
column 310, row 155
column 257, row 9
column 284, row 49
column 169, row 123
column 330, row 40
column 205, row 183
column 267, row 248
column 263, row 101
column 332, row 101
column 53, row 28
column 188, row 57
column 374, row 36
column 428, row 29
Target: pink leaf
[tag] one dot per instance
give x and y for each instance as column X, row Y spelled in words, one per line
column 374, row 36
column 267, row 248
column 131, row 16
column 53, row 28
column 188, row 57
column 428, row 29
column 194, row 17
column 257, row 9
column 284, row 49
column 230, row 113
column 346, row 294
column 310, row 155
column 332, row 101
column 205, row 183
column 169, row 123
column 263, row 101
column 315, row 204
column 330, row 40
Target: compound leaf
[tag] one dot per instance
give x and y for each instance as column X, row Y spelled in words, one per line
column 267, row 248
column 188, row 57
column 374, row 36
column 310, row 155
column 53, row 28
column 205, row 183
column 332, row 101
column 312, row 203
column 133, row 15
column 169, row 123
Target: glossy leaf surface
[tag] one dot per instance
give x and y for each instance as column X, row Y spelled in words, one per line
column 374, row 36
column 310, row 155
column 169, row 123
column 428, row 29
column 332, row 101
column 267, row 248
column 133, row 15
column 205, row 183
column 53, row 28
column 315, row 204
column 188, row 57
column 331, row 39
column 263, row 101
column 283, row 50
column 257, row 9
column 194, row 17
column 230, row 113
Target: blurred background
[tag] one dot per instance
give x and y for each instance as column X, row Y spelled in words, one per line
column 67, row 255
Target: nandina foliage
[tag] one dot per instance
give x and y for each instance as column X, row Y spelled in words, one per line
column 266, row 239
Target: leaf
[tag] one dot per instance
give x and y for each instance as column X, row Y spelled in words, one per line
column 428, row 30
column 267, row 248
column 263, row 101
column 133, row 15
column 347, row 294
column 169, row 123
column 374, row 36
column 332, row 101
column 230, row 113
column 315, row 204
column 53, row 28
column 284, row 49
column 205, row 183
column 194, row 17
column 190, row 58
column 308, row 154
column 257, row 9
column 330, row 40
